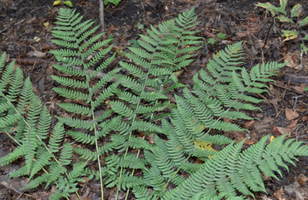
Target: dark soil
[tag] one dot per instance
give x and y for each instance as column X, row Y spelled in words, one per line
column 25, row 34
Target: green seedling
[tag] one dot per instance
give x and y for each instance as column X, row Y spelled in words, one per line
column 220, row 36
column 281, row 14
column 115, row 2
column 140, row 26
column 211, row 41
column 61, row 2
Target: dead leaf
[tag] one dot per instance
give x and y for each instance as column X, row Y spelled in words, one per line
column 279, row 194
column 300, row 88
column 249, row 124
column 288, row 58
column 281, row 131
column 305, row 118
column 212, row 35
column 239, row 136
column 291, row 114
column 301, row 179
column 292, row 124
column 151, row 138
column 292, row 187
column 241, row 34
column 249, row 142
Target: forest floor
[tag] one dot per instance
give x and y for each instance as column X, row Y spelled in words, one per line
column 25, row 34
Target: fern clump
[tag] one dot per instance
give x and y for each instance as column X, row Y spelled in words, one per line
column 115, row 109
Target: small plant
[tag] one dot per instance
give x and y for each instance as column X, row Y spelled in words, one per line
column 212, row 40
column 115, row 2
column 221, row 36
column 281, row 14
column 61, row 2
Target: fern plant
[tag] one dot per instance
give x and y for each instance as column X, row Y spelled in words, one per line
column 22, row 109
column 113, row 110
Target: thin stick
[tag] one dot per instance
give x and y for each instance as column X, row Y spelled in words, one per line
column 101, row 14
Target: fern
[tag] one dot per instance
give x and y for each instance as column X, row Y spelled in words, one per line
column 237, row 170
column 24, row 110
column 116, row 113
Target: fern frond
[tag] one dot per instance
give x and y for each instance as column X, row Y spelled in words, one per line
column 237, row 170
column 19, row 151
column 56, row 138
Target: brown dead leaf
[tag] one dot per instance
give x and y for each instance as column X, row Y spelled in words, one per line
column 249, row 124
column 301, row 179
column 305, row 118
column 242, row 34
column 288, row 58
column 291, row 114
column 239, row 136
column 300, row 88
column 212, row 35
column 279, row 194
column 281, row 131
column 254, row 19
column 249, row 142
column 151, row 138
column 292, row 124
column 198, row 161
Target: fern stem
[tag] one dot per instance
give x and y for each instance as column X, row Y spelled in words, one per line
column 98, row 159
column 12, row 138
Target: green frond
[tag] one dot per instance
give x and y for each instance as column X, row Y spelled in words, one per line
column 36, row 182
column 69, row 82
column 135, row 143
column 145, row 126
column 66, row 154
column 121, row 108
column 105, row 94
column 103, row 81
column 19, row 151
column 58, row 195
column 41, row 161
column 129, row 181
column 56, row 138
column 20, row 172
column 26, row 95
column 9, row 120
column 2, row 61
column 43, row 123
column 74, row 108
column 77, row 123
column 132, row 162
column 16, row 84
column 82, row 137
column 30, row 142
column 55, row 172
column 70, row 70
column 141, row 193
column 71, row 94
column 237, row 170
column 7, row 75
